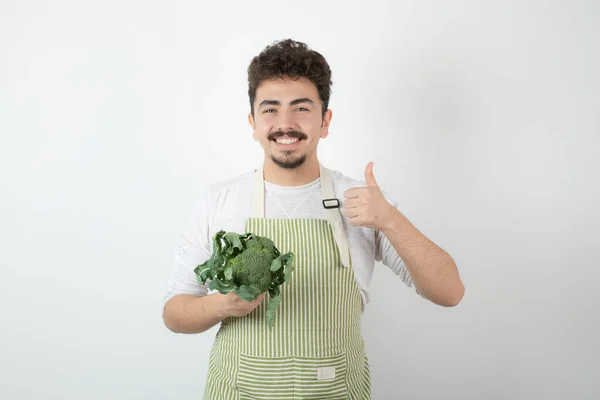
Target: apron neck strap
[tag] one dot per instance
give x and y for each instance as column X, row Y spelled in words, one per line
column 258, row 194
column 330, row 202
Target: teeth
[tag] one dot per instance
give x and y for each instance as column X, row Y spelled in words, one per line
column 287, row 141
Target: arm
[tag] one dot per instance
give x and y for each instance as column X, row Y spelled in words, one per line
column 195, row 314
column 188, row 308
column 432, row 270
column 185, row 313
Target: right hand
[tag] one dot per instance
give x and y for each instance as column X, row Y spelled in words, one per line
column 234, row 306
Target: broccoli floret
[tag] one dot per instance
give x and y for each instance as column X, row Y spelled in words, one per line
column 252, row 267
column 263, row 243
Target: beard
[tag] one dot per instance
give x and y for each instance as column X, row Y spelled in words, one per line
column 289, row 160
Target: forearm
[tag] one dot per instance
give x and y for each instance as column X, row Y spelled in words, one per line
column 192, row 314
column 432, row 270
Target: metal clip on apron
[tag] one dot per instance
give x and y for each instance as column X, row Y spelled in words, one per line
column 315, row 349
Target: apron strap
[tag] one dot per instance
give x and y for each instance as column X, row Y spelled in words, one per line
column 333, row 207
column 258, row 195
column 330, row 202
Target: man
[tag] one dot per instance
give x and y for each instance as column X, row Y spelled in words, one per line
column 315, row 348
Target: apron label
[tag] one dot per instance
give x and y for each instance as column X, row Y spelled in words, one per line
column 325, row 373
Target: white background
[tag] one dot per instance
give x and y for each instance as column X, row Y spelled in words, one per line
column 483, row 119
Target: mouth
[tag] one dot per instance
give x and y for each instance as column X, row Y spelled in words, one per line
column 287, row 141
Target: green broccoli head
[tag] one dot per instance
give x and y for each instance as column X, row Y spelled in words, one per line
column 253, row 265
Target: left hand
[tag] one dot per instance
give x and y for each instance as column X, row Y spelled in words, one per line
column 366, row 206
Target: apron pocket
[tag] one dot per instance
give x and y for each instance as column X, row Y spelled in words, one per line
column 292, row 377
column 320, row 378
column 265, row 378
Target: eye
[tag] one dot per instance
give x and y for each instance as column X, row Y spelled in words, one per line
column 269, row 110
column 301, row 109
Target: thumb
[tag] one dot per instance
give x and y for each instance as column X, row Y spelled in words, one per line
column 369, row 177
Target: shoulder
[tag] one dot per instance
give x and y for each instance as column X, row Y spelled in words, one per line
column 239, row 183
column 343, row 182
column 223, row 191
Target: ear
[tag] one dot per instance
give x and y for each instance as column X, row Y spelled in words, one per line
column 326, row 122
column 253, row 125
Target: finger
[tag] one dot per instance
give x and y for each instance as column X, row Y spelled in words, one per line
column 256, row 302
column 369, row 177
column 353, row 193
column 355, row 221
column 351, row 212
column 351, row 203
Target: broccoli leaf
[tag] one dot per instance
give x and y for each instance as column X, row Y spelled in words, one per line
column 217, row 256
column 248, row 292
column 204, row 273
column 276, row 264
column 234, row 240
column 274, row 291
column 279, row 280
column 289, row 266
column 221, row 286
column 272, row 308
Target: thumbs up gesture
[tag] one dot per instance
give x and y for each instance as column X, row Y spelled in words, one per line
column 366, row 206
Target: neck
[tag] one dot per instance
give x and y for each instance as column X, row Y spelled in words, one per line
column 304, row 174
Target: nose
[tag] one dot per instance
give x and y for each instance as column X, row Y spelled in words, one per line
column 285, row 122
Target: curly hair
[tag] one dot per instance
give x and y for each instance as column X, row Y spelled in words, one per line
column 289, row 58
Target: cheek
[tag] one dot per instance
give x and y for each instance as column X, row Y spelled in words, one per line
column 261, row 130
column 308, row 119
column 265, row 123
column 311, row 126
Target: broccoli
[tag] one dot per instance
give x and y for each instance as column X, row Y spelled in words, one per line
column 249, row 265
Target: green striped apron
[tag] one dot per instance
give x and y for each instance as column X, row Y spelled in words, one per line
column 315, row 349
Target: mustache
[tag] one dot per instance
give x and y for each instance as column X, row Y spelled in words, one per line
column 293, row 134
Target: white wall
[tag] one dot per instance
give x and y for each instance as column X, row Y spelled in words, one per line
column 483, row 121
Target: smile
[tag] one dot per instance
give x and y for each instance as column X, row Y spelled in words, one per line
column 287, row 140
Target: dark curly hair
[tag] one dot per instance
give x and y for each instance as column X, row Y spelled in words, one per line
column 294, row 60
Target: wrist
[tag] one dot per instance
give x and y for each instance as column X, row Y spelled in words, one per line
column 396, row 221
column 219, row 305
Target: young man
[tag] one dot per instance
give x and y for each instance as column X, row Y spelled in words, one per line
column 315, row 348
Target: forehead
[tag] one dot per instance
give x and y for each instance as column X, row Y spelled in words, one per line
column 286, row 89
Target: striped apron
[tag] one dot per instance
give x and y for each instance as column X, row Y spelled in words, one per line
column 315, row 349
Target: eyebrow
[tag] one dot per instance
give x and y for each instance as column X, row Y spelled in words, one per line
column 292, row 103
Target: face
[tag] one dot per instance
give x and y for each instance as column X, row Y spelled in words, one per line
column 288, row 121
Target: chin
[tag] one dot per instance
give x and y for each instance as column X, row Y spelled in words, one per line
column 289, row 162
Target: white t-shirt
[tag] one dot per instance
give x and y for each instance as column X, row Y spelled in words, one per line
column 227, row 206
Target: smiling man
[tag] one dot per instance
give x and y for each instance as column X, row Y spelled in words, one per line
column 338, row 228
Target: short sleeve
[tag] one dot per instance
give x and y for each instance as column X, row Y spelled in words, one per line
column 193, row 248
column 388, row 256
